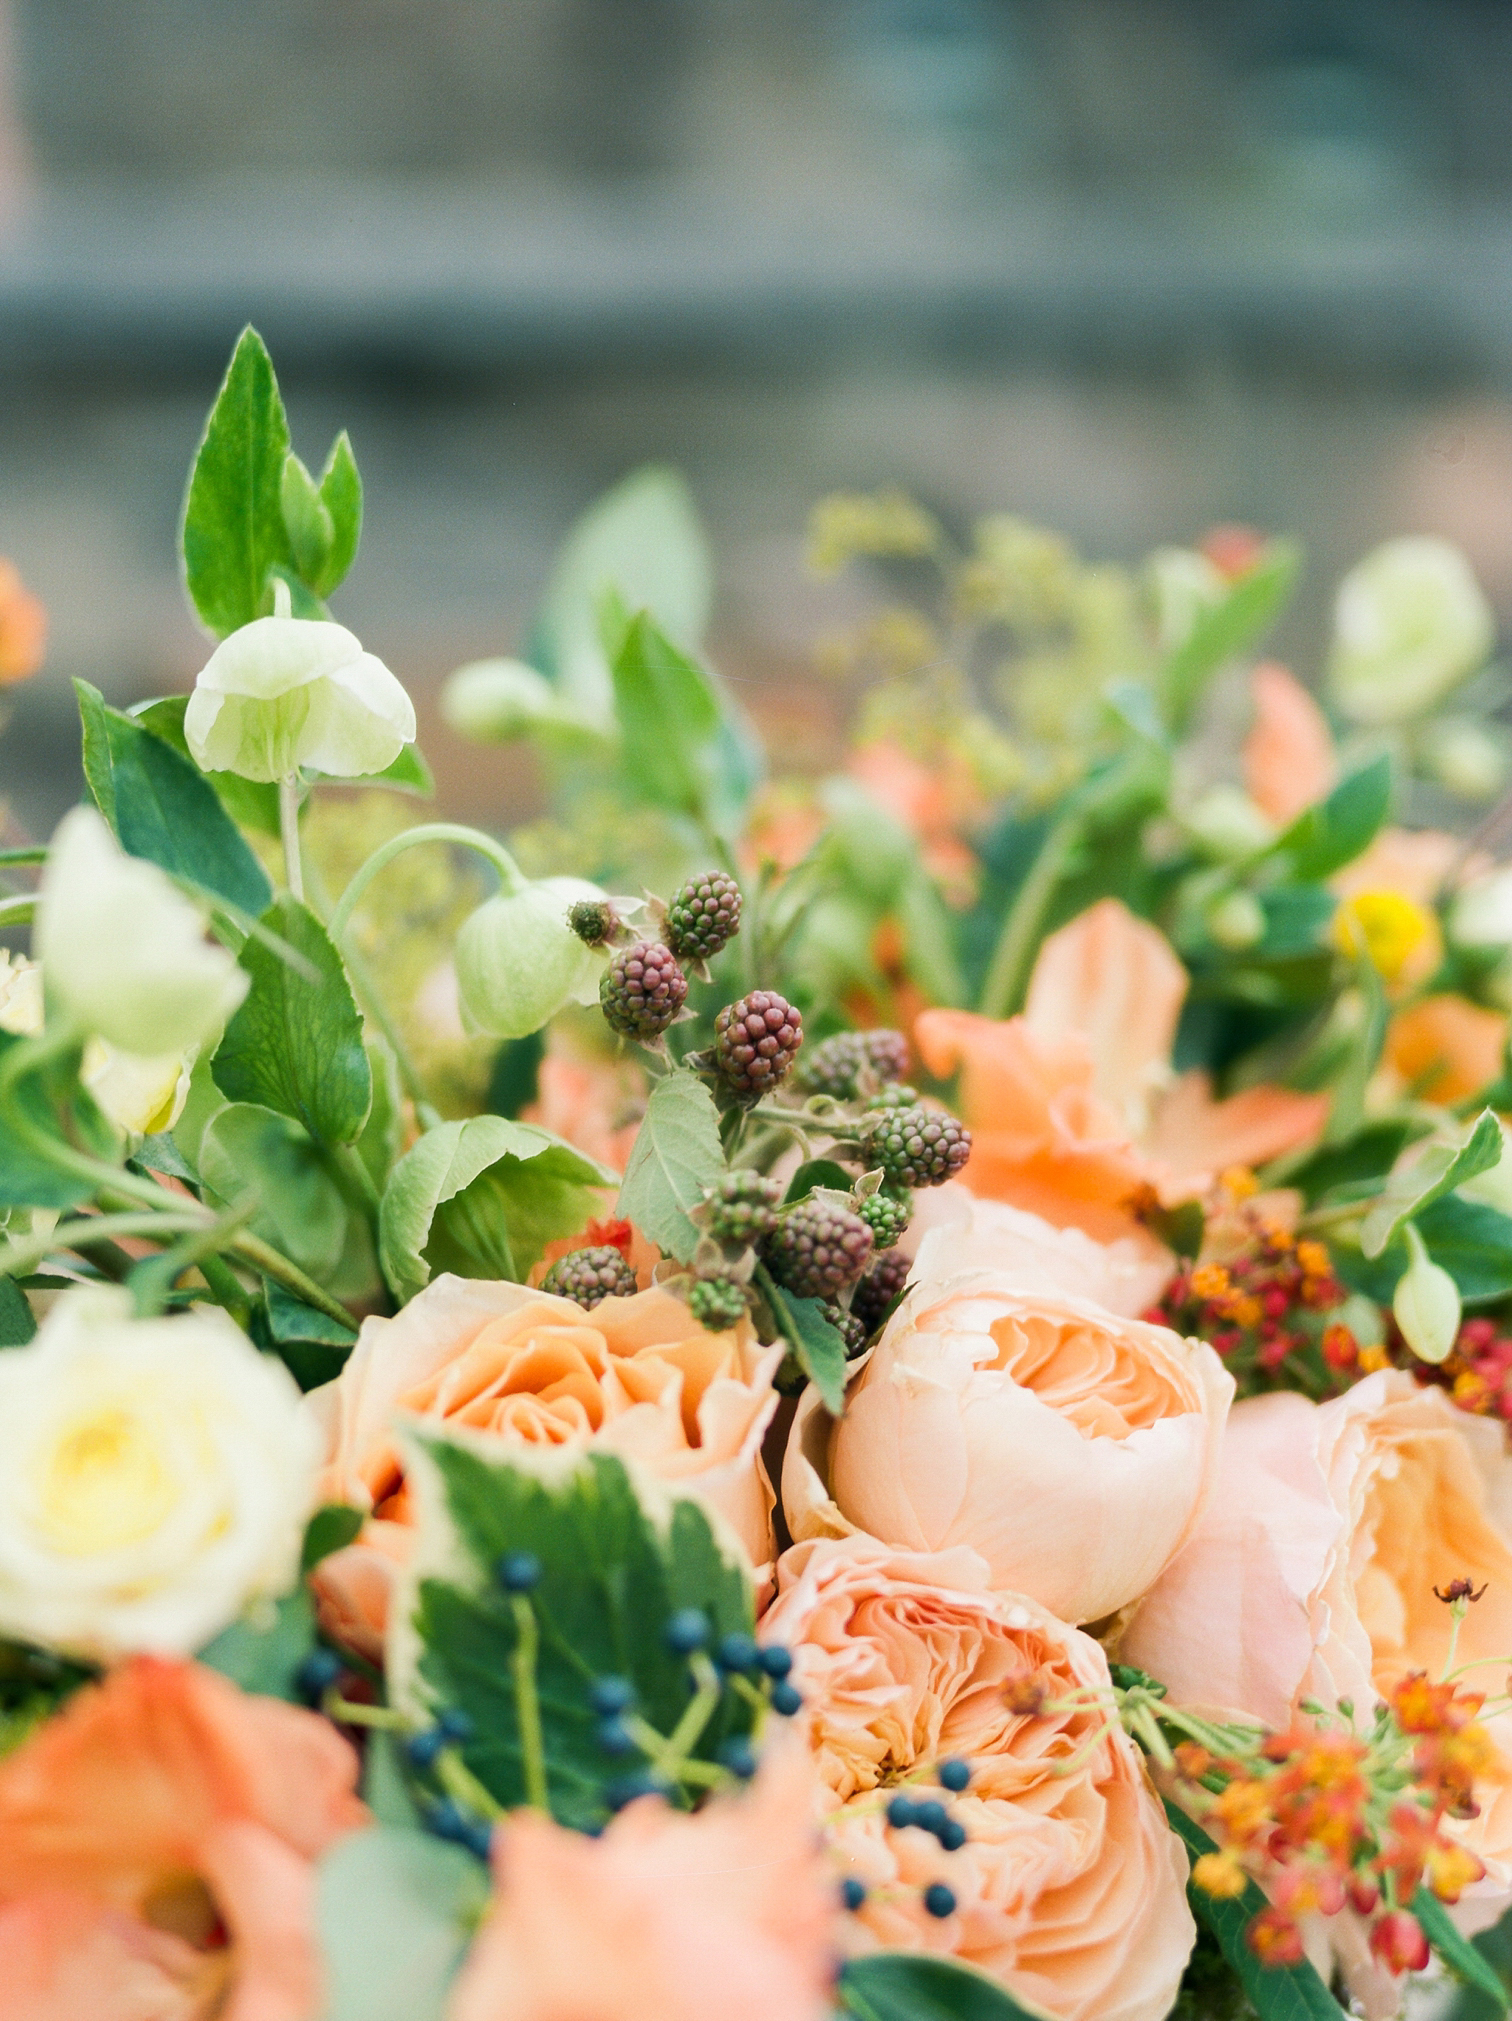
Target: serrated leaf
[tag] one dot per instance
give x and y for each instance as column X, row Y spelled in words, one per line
column 1437, row 1171
column 1324, row 838
column 912, row 1986
column 163, row 808
column 817, row 1346
column 234, row 531
column 394, row 1911
column 483, row 1198
column 1229, row 628
column 341, row 494
column 263, row 1655
column 619, row 1551
column 1457, row 1951
column 248, row 1149
column 676, row 1156
column 1277, row 1992
column 295, row 1045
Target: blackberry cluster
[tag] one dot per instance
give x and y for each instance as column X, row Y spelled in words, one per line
column 594, row 921
column 818, row 1249
column 642, row 990
column 836, row 1065
column 587, row 1276
column 879, row 1287
column 886, row 1215
column 918, row 1147
column 898, row 1096
column 742, row 1206
column 703, row 916
column 717, row 1302
column 850, row 1329
column 755, row 1042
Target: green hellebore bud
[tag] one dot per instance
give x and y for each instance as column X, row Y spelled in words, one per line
column 286, row 692
column 1465, row 757
column 1228, row 824
column 1236, row 920
column 493, row 701
column 1426, row 1303
column 1410, row 622
column 123, row 951
column 518, row 961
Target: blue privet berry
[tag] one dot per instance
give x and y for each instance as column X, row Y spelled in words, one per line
column 852, row 1894
column 739, row 1757
column 939, row 1900
column 445, row 1819
column 614, row 1737
column 786, row 1699
column 518, row 1571
column 478, row 1837
column 423, row 1748
column 318, row 1672
column 902, row 1812
column 456, row 1726
column 775, row 1660
column 954, row 1774
column 737, row 1653
column 931, row 1815
column 952, row 1835
column 687, row 1630
column 611, row 1695
column 626, row 1788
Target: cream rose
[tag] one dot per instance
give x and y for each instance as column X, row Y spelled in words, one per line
column 155, row 1477
column 1070, row 1887
column 636, row 1375
column 1072, row 1448
column 954, row 1229
column 1312, row 1572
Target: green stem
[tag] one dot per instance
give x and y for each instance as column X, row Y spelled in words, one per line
column 19, row 1257
column 291, row 1277
column 522, row 1665
column 1008, row 975
column 373, row 1006
column 510, row 873
column 288, row 826
column 11, row 859
column 225, row 1287
column 18, row 911
column 459, row 1782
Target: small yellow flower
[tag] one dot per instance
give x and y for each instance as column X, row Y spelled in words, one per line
column 1391, row 929
column 1239, row 1182
column 1374, row 1358
column 1210, row 1280
column 1219, row 1874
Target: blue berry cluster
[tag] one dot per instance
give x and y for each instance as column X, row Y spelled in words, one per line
column 926, row 1814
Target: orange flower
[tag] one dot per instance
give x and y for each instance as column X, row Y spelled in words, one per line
column 1446, row 1049
column 592, row 1102
column 23, row 628
column 1289, row 758
column 156, row 1847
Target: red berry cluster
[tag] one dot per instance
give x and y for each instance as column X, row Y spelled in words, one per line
column 1261, row 1310
column 1478, row 1371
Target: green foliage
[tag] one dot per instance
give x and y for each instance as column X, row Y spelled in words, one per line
column 162, row 808
column 675, row 746
column 341, row 495
column 619, row 1554
column 295, row 1044
column 1367, row 1155
column 264, row 1654
column 49, row 1100
column 251, row 803
column 312, row 1346
column 817, row 1346
column 912, row 1986
column 482, row 1198
column 1470, row 1240
column 1469, row 1964
column 677, row 1155
column 332, row 1527
column 1324, row 838
column 1228, row 629
column 1470, row 2002
column 395, row 1910
column 17, row 1325
column 1437, row 1172
column 249, row 1150
column 817, row 1172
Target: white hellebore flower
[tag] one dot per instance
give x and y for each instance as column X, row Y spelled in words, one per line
column 155, row 1478
column 283, row 692
column 124, row 951
column 140, row 1095
column 518, row 961
column 1410, row 622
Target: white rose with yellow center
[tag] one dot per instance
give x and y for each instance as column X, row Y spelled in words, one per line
column 155, row 1478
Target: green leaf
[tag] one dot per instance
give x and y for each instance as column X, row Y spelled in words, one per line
column 817, row 1346
column 1437, row 1171
column 263, row 1655
column 331, row 1528
column 409, row 773
column 341, row 494
column 296, row 1045
column 676, row 1156
column 1347, row 1112
column 620, row 1552
column 912, row 1986
column 1228, row 629
column 1180, row 1228
column 249, row 1149
column 1470, row 1240
column 385, row 1787
column 234, row 530
column 17, row 1326
column 817, row 1172
column 394, row 1910
column 163, row 808
column 1458, row 1953
column 311, row 1346
column 251, row 803
column 668, row 719
column 1369, row 1154
column 483, row 1198
column 1324, row 838
column 1277, row 1992
column 54, row 1103
column 306, row 519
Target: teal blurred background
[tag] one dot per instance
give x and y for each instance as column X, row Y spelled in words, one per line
column 1126, row 268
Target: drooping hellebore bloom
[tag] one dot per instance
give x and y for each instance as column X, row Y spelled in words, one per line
column 284, row 693
column 519, row 962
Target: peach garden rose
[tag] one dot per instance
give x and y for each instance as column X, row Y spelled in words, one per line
column 1070, row 1887
column 638, row 1376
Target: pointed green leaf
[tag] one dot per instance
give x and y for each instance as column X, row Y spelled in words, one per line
column 341, row 495
column 251, row 803
column 306, row 520
column 264, row 1656
column 1468, row 1964
column 668, row 718
column 1228, row 629
column 817, row 1346
column 234, row 528
column 251, row 1151
column 332, row 1527
column 57, row 1106
column 1324, row 838
column 395, row 1910
column 1429, row 1177
column 17, row 1326
column 1470, row 1240
column 912, row 1986
column 676, row 1156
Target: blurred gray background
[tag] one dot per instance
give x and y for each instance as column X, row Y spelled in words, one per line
column 1127, row 266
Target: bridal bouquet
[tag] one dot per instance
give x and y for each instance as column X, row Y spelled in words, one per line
column 879, row 1397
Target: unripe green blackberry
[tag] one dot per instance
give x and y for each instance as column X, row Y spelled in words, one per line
column 703, row 916
column 587, row 1276
column 594, row 921
column 918, row 1147
column 818, row 1248
column 850, row 1329
column 835, row 1066
column 742, row 1206
column 642, row 990
column 717, row 1302
column 879, row 1287
column 899, row 1096
column 755, row 1041
column 886, row 1215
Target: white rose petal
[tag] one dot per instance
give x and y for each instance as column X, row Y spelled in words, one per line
column 1410, row 623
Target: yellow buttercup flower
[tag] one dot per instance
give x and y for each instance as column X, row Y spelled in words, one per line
column 1392, row 929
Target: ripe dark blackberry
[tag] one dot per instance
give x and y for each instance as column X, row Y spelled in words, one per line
column 717, row 1302
column 918, row 1147
column 755, row 1042
column 703, row 916
column 818, row 1249
column 594, row 921
column 642, row 990
column 588, row 1275
column 886, row 1215
column 835, row 1067
column 879, row 1287
column 850, row 1329
column 742, row 1206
